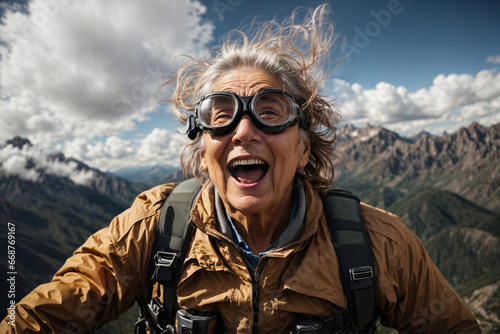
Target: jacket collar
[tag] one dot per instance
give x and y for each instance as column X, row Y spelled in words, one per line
column 204, row 212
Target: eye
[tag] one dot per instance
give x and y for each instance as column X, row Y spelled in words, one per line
column 269, row 113
column 218, row 110
column 273, row 108
column 220, row 117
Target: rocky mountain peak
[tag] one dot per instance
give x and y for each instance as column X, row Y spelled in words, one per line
column 366, row 133
column 379, row 156
column 419, row 135
column 19, row 142
column 29, row 164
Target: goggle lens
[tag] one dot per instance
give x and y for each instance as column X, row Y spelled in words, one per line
column 217, row 110
column 274, row 109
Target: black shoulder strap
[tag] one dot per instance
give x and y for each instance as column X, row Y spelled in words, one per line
column 168, row 253
column 354, row 251
column 173, row 227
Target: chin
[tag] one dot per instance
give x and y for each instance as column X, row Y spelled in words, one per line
column 248, row 204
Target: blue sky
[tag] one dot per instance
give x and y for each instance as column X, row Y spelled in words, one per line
column 78, row 76
column 422, row 39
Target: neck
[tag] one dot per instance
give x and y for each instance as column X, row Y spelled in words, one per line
column 262, row 229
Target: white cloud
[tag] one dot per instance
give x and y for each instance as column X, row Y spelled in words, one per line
column 455, row 99
column 16, row 166
column 87, row 69
column 31, row 163
column 493, row 59
column 160, row 147
column 158, row 143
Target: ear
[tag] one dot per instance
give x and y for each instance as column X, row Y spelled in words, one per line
column 203, row 161
column 304, row 154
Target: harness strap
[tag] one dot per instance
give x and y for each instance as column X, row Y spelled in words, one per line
column 173, row 228
column 353, row 247
column 169, row 251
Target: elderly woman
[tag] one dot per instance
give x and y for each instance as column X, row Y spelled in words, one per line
column 260, row 255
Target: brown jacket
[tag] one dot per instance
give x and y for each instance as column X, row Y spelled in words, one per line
column 107, row 274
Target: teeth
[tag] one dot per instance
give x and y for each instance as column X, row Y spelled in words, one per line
column 247, row 162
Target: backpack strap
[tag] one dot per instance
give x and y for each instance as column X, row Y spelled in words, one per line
column 354, row 251
column 167, row 255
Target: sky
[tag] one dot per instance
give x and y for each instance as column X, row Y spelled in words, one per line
column 80, row 77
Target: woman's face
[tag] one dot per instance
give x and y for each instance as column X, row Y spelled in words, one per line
column 252, row 170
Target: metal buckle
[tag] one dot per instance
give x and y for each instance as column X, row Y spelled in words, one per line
column 360, row 273
column 165, row 259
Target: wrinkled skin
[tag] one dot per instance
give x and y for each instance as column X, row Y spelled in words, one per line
column 259, row 201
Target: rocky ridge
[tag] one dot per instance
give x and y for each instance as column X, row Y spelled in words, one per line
column 466, row 162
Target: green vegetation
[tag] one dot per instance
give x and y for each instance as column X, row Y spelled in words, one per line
column 461, row 237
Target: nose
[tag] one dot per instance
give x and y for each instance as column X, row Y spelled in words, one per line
column 246, row 131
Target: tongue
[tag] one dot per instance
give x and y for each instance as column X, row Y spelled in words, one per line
column 249, row 175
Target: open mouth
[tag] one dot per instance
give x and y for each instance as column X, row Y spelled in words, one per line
column 248, row 171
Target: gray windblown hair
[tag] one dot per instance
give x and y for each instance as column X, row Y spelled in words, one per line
column 298, row 54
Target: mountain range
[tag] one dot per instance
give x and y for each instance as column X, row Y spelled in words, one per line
column 446, row 188
column 385, row 167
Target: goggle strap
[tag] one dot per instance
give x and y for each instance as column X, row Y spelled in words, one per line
column 192, row 128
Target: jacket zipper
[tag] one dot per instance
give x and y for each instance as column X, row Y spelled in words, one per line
column 256, row 281
column 257, row 275
column 256, row 291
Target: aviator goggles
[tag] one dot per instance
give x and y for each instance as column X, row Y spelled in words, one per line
column 271, row 110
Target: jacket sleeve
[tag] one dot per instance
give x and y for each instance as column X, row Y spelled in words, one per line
column 425, row 302
column 99, row 282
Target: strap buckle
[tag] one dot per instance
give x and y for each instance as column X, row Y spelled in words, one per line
column 165, row 259
column 360, row 273
column 165, row 264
